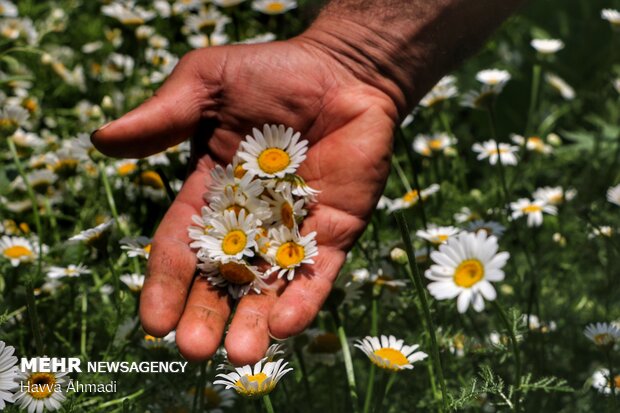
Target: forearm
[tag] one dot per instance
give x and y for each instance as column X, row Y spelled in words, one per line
column 404, row 46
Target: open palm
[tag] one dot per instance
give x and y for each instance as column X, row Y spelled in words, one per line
column 217, row 95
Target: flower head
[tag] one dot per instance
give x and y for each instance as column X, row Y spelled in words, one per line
column 547, row 46
column 254, row 381
column 493, row 151
column 603, row 334
column 613, row 194
column 8, row 374
column 464, row 267
column 533, row 210
column 389, row 353
column 289, row 250
column 39, row 391
column 437, row 235
column 273, row 6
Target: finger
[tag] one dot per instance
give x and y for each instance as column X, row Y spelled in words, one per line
column 248, row 337
column 167, row 118
column 201, row 327
column 172, row 263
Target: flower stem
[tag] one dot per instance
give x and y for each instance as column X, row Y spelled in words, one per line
column 374, row 316
column 536, row 71
column 516, row 354
column 267, row 403
column 416, row 181
column 416, row 279
column 386, row 384
column 110, row 199
column 348, row 362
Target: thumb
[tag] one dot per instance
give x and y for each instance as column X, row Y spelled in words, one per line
column 169, row 116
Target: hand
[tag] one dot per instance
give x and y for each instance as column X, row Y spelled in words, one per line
column 299, row 83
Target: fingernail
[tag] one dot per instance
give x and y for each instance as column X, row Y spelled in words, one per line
column 99, row 129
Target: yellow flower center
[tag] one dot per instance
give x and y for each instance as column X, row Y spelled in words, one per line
column 234, row 242
column 290, row 254
column 151, row 179
column 617, row 382
column 151, row 339
column 132, row 21
column 393, row 356
column 325, row 343
column 530, row 209
column 602, row 339
column 239, row 171
column 237, row 209
column 468, row 273
column 236, row 273
column 411, row 196
column 253, row 378
column 126, row 168
column 273, row 160
column 44, row 385
column 286, row 211
column 275, row 7
column 435, row 144
column 24, row 228
column 441, row 238
column 65, row 166
column 17, row 252
column 147, row 248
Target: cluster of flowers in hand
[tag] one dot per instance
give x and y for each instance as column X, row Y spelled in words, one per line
column 255, row 207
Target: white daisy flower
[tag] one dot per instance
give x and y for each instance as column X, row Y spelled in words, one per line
column 123, row 167
column 208, row 19
column 8, row 9
column 39, row 180
column 616, row 84
column 202, row 227
column 260, row 38
column 428, row 144
column 237, row 276
column 226, row 3
column 289, row 250
column 411, row 198
column 39, row 391
column 237, row 201
column 134, row 282
column 443, row 90
column 378, row 278
column 612, row 16
column 437, row 235
column 137, row 246
column 234, row 177
column 384, row 202
column 534, row 323
column 285, row 210
column 127, row 13
column 296, row 185
column 273, row 153
column 533, row 210
column 613, row 194
column 489, row 149
column 493, row 77
column 532, row 143
column 274, row 6
column 232, row 238
column 601, row 381
column 17, row 250
column 255, row 381
column 554, row 195
column 603, row 334
column 24, row 139
column 465, row 214
column 91, row 236
column 389, row 353
column 8, row 374
column 465, row 266
column 560, row 86
column 547, row 46
column 602, row 231
column 71, row 270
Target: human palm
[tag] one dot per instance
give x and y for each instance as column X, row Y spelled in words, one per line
column 218, row 95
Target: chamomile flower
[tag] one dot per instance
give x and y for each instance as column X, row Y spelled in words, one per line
column 285, row 210
column 602, row 381
column 202, row 227
column 134, row 282
column 464, row 267
column 613, row 194
column 226, row 3
column 411, row 198
column 275, row 152
column 92, row 236
column 427, row 145
column 547, row 46
column 533, row 210
column 554, row 195
column 137, row 247
column 560, row 86
column 237, row 201
column 232, row 237
column 603, row 334
column 443, row 90
column 437, row 235
column 237, row 276
column 71, row 271
column 490, row 227
column 8, row 9
column 297, row 186
column 612, row 16
column 234, row 177
column 17, row 250
column 492, row 151
column 289, row 250
column 8, row 374
column 254, row 381
column 127, row 13
column 532, row 143
column 493, row 77
column 390, row 353
column 40, row 391
column 274, row 6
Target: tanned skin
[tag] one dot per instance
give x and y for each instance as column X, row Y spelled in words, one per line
column 344, row 84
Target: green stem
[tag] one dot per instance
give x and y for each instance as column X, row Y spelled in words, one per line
column 348, row 362
column 500, row 165
column 416, row 181
column 416, row 279
column 84, row 321
column 267, row 403
column 110, row 199
column 374, row 316
column 401, row 174
column 536, row 71
column 516, row 354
